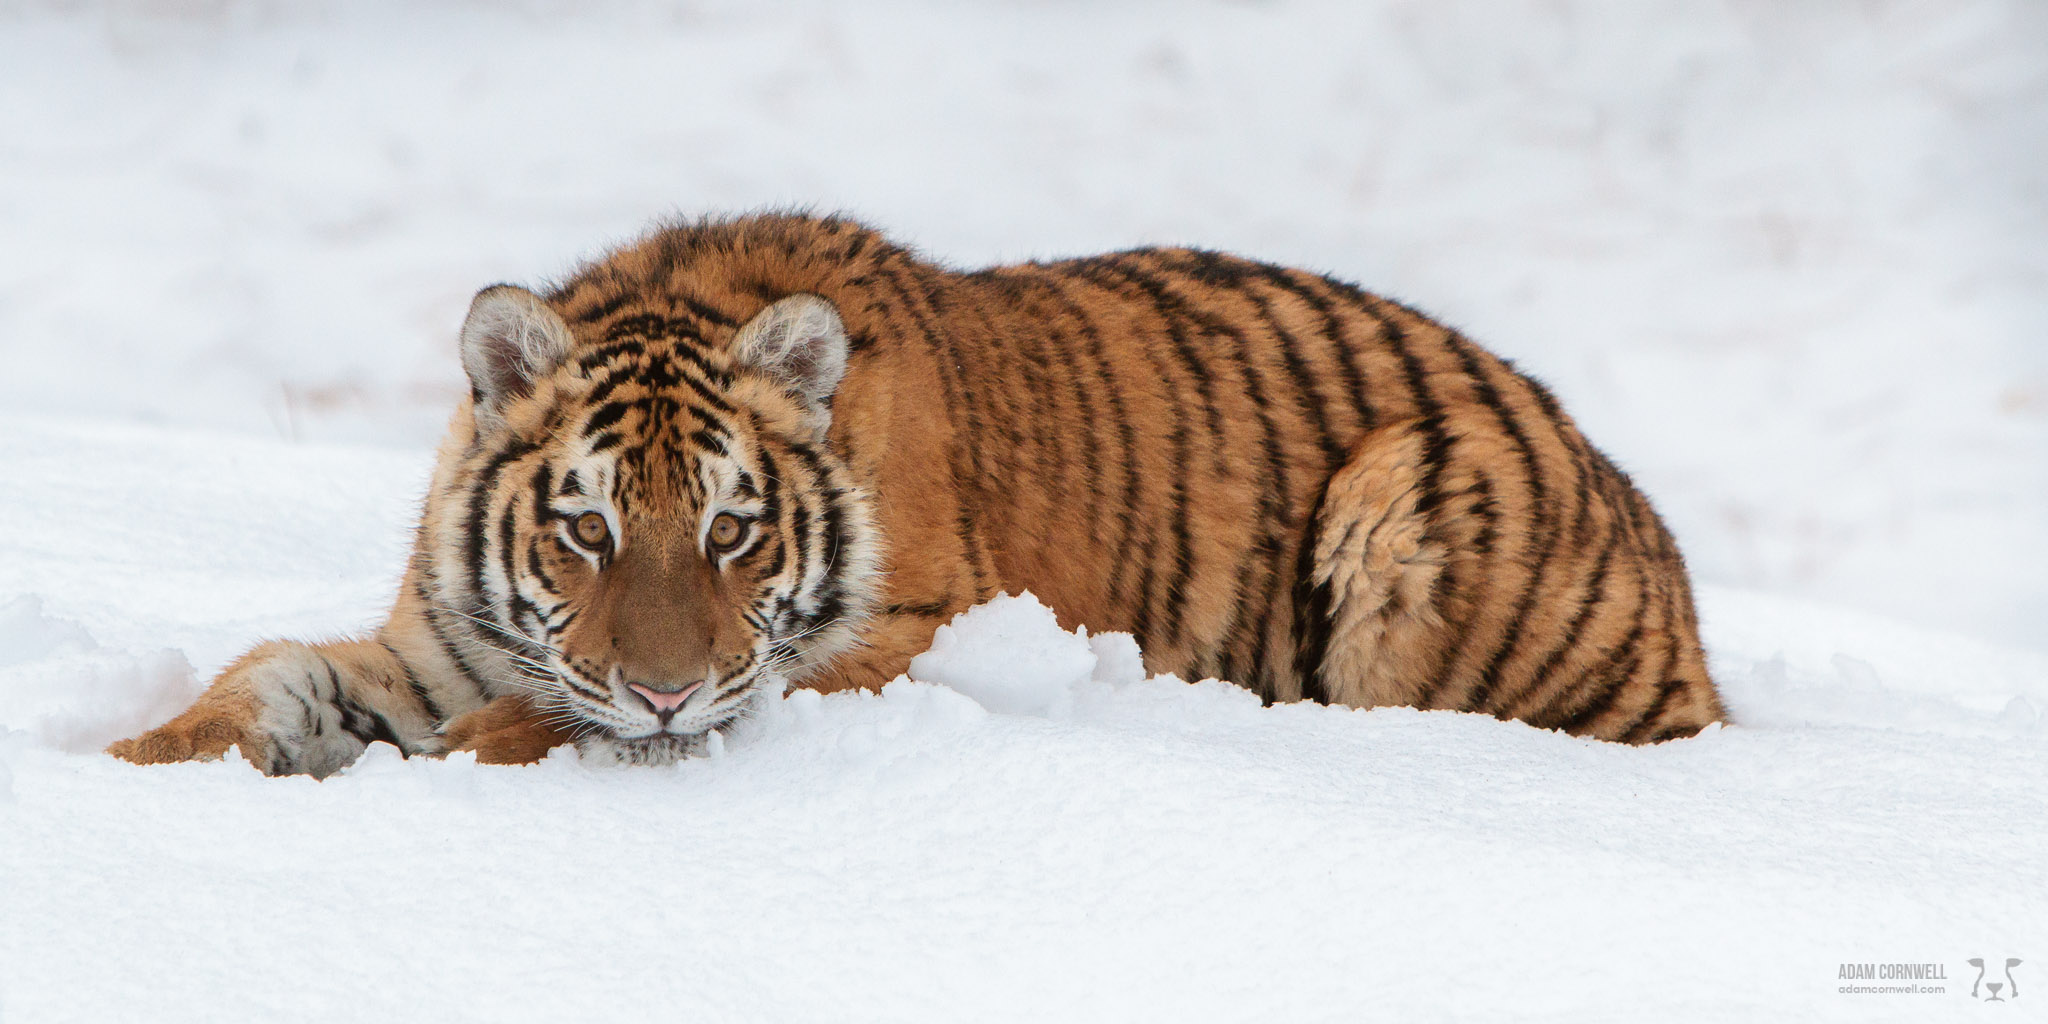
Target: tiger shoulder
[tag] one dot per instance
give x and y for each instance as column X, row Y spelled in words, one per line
column 782, row 447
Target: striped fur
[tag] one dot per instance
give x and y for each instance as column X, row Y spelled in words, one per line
column 1266, row 475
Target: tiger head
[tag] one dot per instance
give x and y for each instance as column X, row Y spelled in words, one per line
column 639, row 519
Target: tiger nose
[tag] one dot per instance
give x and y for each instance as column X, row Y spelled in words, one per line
column 665, row 702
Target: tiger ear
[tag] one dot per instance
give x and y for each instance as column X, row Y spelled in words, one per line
column 509, row 340
column 800, row 342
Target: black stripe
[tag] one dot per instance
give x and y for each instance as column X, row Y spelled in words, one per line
column 1617, row 681
column 995, row 464
column 605, row 416
column 1023, row 355
column 1436, row 453
column 543, row 493
column 605, row 307
column 1172, row 598
column 1209, row 269
column 1648, row 716
column 601, row 392
column 418, row 688
column 711, row 442
column 1177, row 313
column 508, row 532
column 538, row 571
column 1333, row 330
column 965, row 418
column 1584, row 707
column 597, row 355
column 1589, row 602
column 1673, row 732
column 1311, row 611
column 572, row 680
column 829, row 597
column 925, row 609
column 1084, row 403
column 798, row 518
column 1637, row 514
column 1544, row 528
column 1306, row 399
column 1637, row 731
column 448, row 648
column 701, row 308
column 312, row 717
column 479, row 497
column 1239, row 276
column 358, row 721
column 771, row 509
column 1126, row 436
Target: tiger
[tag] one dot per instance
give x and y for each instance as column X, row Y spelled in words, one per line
column 748, row 452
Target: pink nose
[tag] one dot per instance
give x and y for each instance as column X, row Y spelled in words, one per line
column 665, row 702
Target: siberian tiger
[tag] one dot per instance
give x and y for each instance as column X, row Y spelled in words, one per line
column 780, row 446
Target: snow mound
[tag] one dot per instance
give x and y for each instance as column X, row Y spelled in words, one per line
column 1118, row 661
column 1010, row 655
column 64, row 691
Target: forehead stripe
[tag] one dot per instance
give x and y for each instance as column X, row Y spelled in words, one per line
column 608, row 351
column 543, row 484
column 648, row 377
column 712, row 442
column 605, row 416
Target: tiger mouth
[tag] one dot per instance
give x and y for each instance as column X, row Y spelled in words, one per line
column 665, row 734
column 606, row 742
column 609, row 732
column 658, row 749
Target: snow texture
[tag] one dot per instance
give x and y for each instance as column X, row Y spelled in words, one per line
column 1026, row 829
column 1787, row 262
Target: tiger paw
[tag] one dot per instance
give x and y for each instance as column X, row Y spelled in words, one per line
column 281, row 704
column 193, row 737
column 508, row 730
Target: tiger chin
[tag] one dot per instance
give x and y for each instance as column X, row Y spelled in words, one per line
column 780, row 450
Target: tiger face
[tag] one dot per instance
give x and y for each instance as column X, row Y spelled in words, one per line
column 659, row 531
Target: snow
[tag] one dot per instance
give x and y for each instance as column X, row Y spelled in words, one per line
column 1028, row 830
column 1788, row 263
column 1010, row 656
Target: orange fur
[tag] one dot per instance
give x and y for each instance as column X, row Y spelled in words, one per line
column 1266, row 475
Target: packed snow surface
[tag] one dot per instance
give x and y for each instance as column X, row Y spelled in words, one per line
column 1027, row 828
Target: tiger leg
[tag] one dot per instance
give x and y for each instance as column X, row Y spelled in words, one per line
column 1644, row 678
column 1399, row 603
column 1370, row 628
column 293, row 707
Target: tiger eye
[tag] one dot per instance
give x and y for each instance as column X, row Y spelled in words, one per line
column 726, row 531
column 591, row 531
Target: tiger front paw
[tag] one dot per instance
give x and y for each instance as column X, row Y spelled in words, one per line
column 281, row 703
column 508, row 730
column 201, row 734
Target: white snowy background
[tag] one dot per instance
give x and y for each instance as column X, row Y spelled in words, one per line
column 1787, row 262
